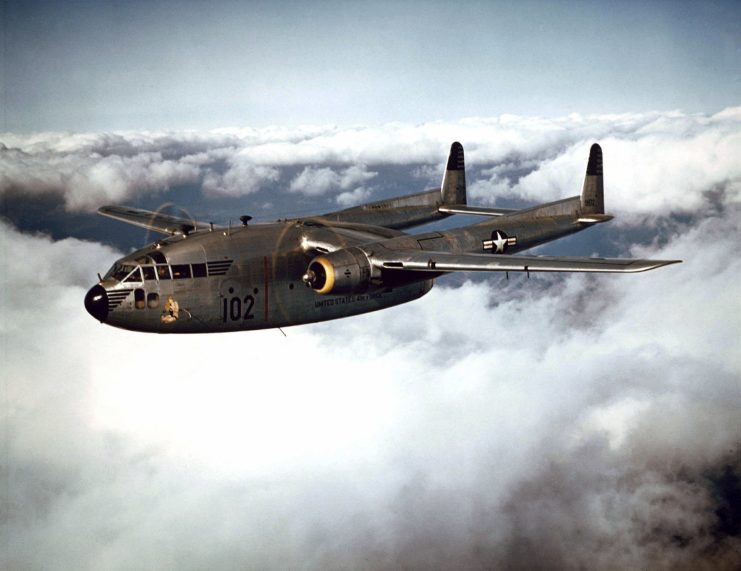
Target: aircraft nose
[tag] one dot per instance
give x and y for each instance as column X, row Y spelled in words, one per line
column 96, row 303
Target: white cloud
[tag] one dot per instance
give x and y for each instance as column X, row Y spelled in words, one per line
column 654, row 162
column 241, row 178
column 317, row 181
column 652, row 169
column 459, row 430
column 652, row 175
column 313, row 182
column 353, row 197
column 87, row 182
column 355, row 175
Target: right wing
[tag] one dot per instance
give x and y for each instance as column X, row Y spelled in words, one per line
column 423, row 261
column 156, row 221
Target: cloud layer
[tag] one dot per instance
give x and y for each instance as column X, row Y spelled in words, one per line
column 557, row 422
column 656, row 163
column 569, row 422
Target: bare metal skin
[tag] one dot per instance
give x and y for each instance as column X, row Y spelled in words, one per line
column 202, row 279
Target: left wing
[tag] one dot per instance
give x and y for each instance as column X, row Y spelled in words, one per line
column 156, row 221
column 424, row 261
column 421, row 208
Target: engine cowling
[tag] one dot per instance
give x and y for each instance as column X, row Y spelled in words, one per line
column 344, row 271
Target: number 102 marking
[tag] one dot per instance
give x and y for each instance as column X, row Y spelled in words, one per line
column 232, row 308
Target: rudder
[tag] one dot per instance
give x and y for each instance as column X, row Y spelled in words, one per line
column 593, row 193
column 453, row 188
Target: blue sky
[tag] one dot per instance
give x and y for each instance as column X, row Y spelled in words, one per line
column 167, row 65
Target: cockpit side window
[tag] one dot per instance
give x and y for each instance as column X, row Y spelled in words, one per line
column 135, row 276
column 180, row 271
column 149, row 273
column 163, row 272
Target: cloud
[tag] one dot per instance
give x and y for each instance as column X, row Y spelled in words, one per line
column 568, row 421
column 90, row 181
column 663, row 166
column 313, row 182
column 562, row 421
column 654, row 162
column 317, row 181
column 241, row 178
column 357, row 196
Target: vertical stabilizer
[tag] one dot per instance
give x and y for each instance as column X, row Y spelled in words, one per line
column 453, row 188
column 593, row 192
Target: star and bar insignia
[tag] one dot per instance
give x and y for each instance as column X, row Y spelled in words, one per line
column 499, row 242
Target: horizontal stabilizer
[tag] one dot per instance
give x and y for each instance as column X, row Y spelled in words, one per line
column 594, row 218
column 475, row 210
column 449, row 262
column 164, row 223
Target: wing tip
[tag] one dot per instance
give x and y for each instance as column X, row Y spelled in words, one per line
column 646, row 265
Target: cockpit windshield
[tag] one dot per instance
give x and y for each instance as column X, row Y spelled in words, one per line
column 119, row 271
column 124, row 273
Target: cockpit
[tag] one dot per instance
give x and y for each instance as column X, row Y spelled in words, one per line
column 123, row 273
column 154, row 266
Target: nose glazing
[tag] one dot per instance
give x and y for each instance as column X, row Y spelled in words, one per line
column 96, row 303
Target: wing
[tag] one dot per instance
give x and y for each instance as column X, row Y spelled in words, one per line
column 412, row 210
column 422, row 261
column 322, row 236
column 156, row 221
column 399, row 213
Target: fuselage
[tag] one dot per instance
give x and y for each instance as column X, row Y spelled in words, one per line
column 253, row 277
column 244, row 278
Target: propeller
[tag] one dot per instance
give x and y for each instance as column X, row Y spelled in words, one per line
column 166, row 205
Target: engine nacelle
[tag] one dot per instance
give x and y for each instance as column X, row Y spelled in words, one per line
column 344, row 271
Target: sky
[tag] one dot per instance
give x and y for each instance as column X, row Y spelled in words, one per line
column 560, row 422
column 164, row 65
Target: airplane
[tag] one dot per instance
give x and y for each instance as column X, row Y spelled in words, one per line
column 202, row 278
